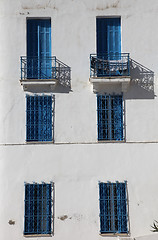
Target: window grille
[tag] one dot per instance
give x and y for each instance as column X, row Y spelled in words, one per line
column 39, row 118
column 110, row 117
column 38, row 213
column 113, row 207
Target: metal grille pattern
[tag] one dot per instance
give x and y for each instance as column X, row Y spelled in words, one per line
column 45, row 68
column 38, row 215
column 39, row 118
column 110, row 117
column 113, row 207
column 112, row 64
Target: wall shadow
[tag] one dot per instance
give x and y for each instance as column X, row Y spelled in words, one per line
column 142, row 82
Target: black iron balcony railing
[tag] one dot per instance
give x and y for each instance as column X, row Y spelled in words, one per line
column 45, row 68
column 108, row 65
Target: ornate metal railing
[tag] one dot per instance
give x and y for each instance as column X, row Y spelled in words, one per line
column 45, row 68
column 104, row 65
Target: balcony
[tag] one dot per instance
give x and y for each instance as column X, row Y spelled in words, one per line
column 38, row 71
column 110, row 69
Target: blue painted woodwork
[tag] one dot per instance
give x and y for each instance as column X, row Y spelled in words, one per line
column 39, row 49
column 108, row 61
column 39, row 118
column 113, row 207
column 38, row 213
column 109, row 37
column 110, row 117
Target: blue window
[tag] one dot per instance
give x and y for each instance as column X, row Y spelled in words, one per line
column 110, row 117
column 38, row 118
column 38, row 213
column 113, row 207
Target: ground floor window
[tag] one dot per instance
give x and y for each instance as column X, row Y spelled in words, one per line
column 113, row 207
column 38, row 209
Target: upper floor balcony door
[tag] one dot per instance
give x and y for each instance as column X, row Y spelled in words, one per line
column 108, row 46
column 109, row 66
column 39, row 64
column 109, row 37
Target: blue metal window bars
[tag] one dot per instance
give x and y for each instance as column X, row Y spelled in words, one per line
column 110, row 117
column 38, row 213
column 38, row 118
column 109, row 65
column 113, row 207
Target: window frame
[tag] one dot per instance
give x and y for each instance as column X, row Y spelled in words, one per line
column 107, row 130
column 39, row 202
column 36, row 137
column 115, row 219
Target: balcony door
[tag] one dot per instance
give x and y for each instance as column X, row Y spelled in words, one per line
column 109, row 37
column 39, row 49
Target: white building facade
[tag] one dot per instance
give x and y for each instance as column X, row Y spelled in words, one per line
column 79, row 113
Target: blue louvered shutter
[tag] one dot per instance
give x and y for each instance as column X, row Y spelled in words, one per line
column 105, row 207
column 118, row 117
column 122, row 208
column 114, row 38
column 103, row 117
column 29, row 213
column 39, row 118
column 109, row 37
column 49, row 208
column 45, row 48
column 99, row 115
column 32, row 49
column 39, row 49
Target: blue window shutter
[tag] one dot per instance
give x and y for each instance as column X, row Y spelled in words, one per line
column 38, row 212
column 49, row 211
column 32, row 37
column 45, row 48
column 39, row 118
column 110, row 117
column 39, row 37
column 109, row 36
column 101, row 36
column 122, row 208
column 99, row 113
column 113, row 207
column 118, row 117
column 39, row 48
column 102, row 207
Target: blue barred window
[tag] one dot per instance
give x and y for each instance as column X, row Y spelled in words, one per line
column 38, row 118
column 113, row 207
column 110, row 117
column 38, row 213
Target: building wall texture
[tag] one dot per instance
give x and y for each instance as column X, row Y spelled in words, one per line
column 76, row 161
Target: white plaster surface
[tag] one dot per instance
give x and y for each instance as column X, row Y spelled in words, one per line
column 75, row 171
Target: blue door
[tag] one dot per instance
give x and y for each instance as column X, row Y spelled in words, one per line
column 108, row 36
column 108, row 45
column 39, row 48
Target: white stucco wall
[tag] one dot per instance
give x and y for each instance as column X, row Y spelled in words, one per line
column 73, row 39
column 76, row 162
column 75, row 171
